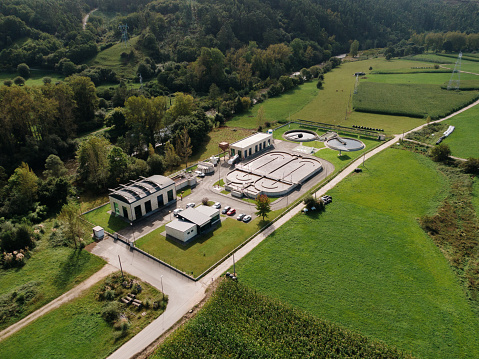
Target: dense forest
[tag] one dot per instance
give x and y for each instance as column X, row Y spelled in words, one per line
column 213, row 56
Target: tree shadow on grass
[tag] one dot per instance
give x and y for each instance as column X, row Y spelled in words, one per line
column 71, row 268
column 344, row 158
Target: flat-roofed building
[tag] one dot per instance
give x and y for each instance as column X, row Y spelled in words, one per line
column 142, row 197
column 251, row 145
column 192, row 221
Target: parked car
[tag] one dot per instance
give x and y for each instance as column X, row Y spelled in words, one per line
column 217, row 205
column 240, row 216
column 246, row 218
column 176, row 211
column 226, row 209
column 357, row 170
column 199, row 173
column 327, row 199
column 191, row 204
column 231, row 212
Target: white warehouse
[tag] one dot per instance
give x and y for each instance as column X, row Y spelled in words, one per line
column 142, row 197
column 251, row 145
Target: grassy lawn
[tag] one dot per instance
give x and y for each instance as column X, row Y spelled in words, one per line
column 413, row 100
column 196, row 257
column 49, row 273
column 278, row 108
column 238, row 322
column 35, row 78
column 366, row 264
column 77, row 329
column 101, row 217
column 463, row 141
column 342, row 161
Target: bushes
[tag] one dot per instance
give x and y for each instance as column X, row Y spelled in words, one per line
column 440, row 153
column 111, row 312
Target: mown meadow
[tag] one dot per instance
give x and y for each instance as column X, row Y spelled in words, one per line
column 239, row 322
column 366, row 264
column 90, row 326
column 463, row 142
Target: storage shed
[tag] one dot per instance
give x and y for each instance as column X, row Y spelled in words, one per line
column 192, row 221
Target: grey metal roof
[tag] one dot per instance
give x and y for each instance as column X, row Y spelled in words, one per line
column 141, row 188
column 209, row 211
column 180, row 225
column 195, row 216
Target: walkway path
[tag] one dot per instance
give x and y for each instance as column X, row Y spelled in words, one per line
column 66, row 297
column 85, row 19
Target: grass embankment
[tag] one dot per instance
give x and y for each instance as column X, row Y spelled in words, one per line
column 78, row 330
column 48, row 273
column 201, row 253
column 463, row 142
column 366, row 264
column 238, row 322
column 412, row 100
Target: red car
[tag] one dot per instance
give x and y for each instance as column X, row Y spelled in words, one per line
column 231, row 212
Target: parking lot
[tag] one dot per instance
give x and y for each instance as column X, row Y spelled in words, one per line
column 205, row 189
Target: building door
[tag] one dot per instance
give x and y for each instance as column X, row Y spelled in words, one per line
column 160, row 200
column 125, row 212
column 147, row 206
column 138, row 213
column 170, row 195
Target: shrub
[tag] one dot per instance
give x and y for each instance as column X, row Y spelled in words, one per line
column 111, row 312
column 8, row 83
column 204, row 201
column 440, row 153
column 19, row 81
column 471, row 166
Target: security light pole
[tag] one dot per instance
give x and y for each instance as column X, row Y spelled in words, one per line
column 162, row 291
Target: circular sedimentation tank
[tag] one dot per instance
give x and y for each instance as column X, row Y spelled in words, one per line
column 345, row 144
column 300, row 135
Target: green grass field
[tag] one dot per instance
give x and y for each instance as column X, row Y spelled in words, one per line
column 278, row 108
column 366, row 264
column 77, row 330
column 331, row 103
column 101, row 217
column 413, row 100
column 418, row 78
column 238, row 322
column 49, row 273
column 196, row 257
column 35, row 78
column 110, row 59
column 463, row 142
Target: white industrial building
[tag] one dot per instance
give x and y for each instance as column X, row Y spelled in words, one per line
column 192, row 221
column 251, row 145
column 143, row 196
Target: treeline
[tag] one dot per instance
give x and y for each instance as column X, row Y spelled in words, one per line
column 451, row 41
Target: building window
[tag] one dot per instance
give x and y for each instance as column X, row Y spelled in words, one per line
column 117, row 209
column 170, row 195
column 255, row 148
column 125, row 212
column 232, row 152
column 250, row 151
column 239, row 153
column 269, row 143
column 160, row 200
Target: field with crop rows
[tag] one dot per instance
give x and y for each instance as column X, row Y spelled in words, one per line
column 413, row 100
column 239, row 323
column 366, row 264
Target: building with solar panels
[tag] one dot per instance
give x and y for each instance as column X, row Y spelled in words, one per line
column 142, row 197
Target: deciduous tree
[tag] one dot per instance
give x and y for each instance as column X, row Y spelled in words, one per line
column 183, row 146
column 263, row 206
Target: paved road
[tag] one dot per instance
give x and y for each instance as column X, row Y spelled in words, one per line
column 64, row 298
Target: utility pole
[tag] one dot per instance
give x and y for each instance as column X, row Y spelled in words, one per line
column 121, row 268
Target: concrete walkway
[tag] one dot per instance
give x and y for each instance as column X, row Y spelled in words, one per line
column 65, row 298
